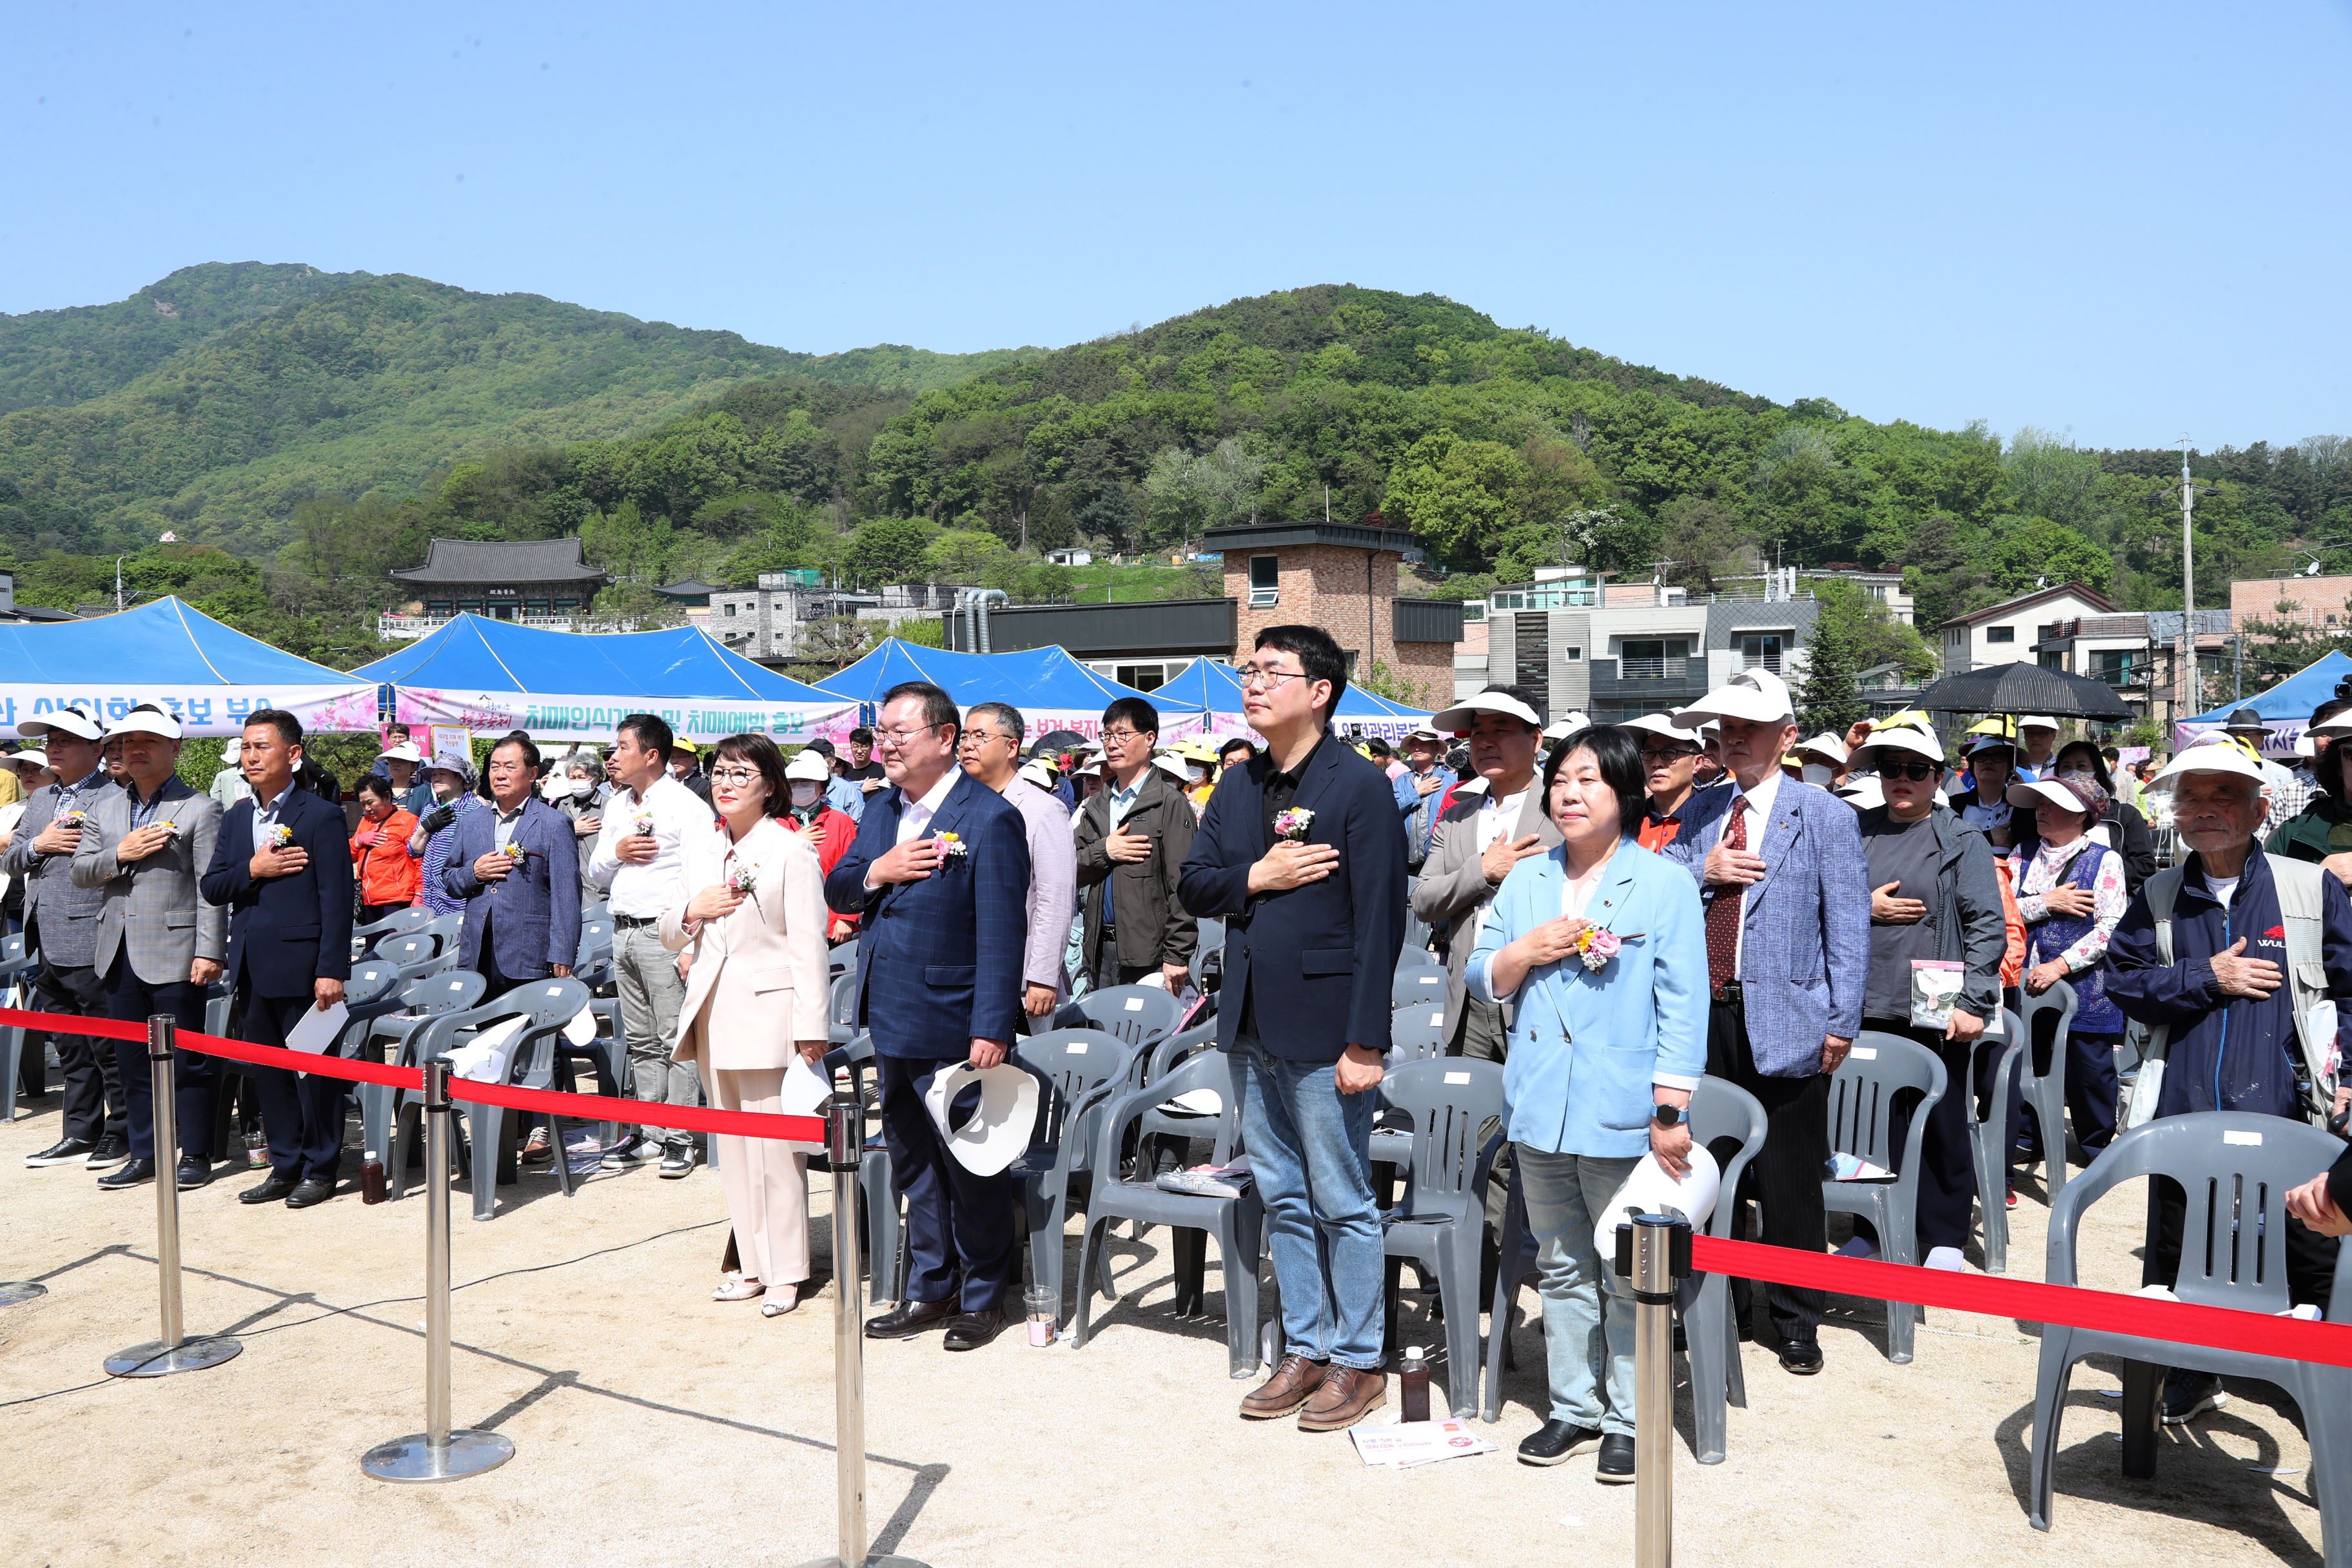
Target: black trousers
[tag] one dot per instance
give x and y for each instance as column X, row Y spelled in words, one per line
column 301, row 1117
column 93, row 1084
column 1786, row 1174
column 1948, row 1181
column 196, row 1085
column 955, row 1217
column 2310, row 1257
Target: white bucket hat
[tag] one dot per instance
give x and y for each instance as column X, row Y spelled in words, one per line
column 996, row 1133
column 1758, row 696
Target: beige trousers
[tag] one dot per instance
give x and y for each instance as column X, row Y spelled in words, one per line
column 766, row 1181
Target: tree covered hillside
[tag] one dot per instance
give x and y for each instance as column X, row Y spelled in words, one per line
column 215, row 402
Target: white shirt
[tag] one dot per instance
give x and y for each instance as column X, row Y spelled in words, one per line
column 643, row 892
column 914, row 817
column 2223, row 888
column 1493, row 819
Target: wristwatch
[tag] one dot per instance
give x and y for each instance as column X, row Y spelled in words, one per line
column 1666, row 1115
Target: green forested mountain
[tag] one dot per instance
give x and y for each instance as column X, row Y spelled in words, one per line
column 213, row 402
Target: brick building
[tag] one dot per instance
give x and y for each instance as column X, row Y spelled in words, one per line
column 2320, row 603
column 1342, row 577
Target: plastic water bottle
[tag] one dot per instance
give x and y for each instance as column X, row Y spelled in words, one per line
column 1413, row 1384
column 370, row 1179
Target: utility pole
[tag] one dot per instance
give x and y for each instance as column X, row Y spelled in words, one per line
column 2188, row 684
column 118, row 584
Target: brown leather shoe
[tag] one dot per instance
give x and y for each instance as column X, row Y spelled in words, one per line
column 1345, row 1397
column 1293, row 1385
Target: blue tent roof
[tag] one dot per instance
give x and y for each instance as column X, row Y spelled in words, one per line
column 1208, row 684
column 207, row 673
column 2291, row 699
column 474, row 653
column 1035, row 680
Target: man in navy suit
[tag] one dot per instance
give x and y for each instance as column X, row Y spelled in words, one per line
column 283, row 867
column 517, row 867
column 1299, row 853
column 939, row 873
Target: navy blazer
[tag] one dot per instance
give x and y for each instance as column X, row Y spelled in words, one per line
column 938, row 961
column 285, row 933
column 1325, row 954
column 534, row 913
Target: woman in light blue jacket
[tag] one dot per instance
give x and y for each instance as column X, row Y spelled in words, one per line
column 1599, row 950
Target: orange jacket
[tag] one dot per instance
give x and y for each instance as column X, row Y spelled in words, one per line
column 386, row 874
column 2012, row 920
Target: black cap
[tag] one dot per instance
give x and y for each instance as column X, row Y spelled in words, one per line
column 2246, row 719
column 821, row 746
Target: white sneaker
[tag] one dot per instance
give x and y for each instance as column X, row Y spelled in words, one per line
column 1949, row 1258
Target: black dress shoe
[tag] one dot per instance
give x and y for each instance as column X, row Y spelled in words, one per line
column 1558, row 1441
column 130, row 1174
column 64, row 1151
column 196, row 1171
column 1801, row 1357
column 908, row 1319
column 270, row 1190
column 109, row 1151
column 973, row 1329
column 1616, row 1466
column 310, row 1192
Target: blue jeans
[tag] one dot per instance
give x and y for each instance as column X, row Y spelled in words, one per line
column 1310, row 1149
column 1588, row 1342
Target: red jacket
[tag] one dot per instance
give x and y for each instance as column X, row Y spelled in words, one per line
column 386, row 874
column 840, row 830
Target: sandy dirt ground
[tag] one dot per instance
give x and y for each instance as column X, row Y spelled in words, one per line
column 654, row 1424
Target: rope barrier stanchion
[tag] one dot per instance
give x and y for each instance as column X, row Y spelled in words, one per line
column 174, row 1352
column 17, row 1292
column 844, row 1147
column 1654, row 1254
column 437, row 1453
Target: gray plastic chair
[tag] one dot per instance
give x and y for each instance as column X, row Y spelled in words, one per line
column 877, row 1197
column 1208, row 953
column 2237, row 1203
column 602, row 910
column 1080, row 1072
column 1143, row 1015
column 1418, row 985
column 1862, row 1117
column 1239, row 1222
column 447, row 930
column 2051, row 1014
column 17, row 968
column 1720, row 1111
column 1442, row 1223
column 487, row 1156
column 843, row 959
column 1989, row 1136
column 400, row 922
column 1416, row 1034
column 841, row 1015
column 415, row 955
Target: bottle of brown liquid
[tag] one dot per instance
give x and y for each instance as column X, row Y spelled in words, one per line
column 370, row 1179
column 1413, row 1384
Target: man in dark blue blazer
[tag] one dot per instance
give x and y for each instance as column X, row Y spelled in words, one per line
column 282, row 866
column 517, row 867
column 1300, row 855
column 939, row 873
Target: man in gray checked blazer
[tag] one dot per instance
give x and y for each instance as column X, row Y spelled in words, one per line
column 1787, row 912
column 160, row 945
column 61, row 924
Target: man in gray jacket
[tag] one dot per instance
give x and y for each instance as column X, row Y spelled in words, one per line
column 1132, row 838
column 61, row 921
column 160, row 945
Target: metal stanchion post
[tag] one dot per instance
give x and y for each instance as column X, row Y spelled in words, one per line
column 1654, row 1252
column 437, row 1453
column 174, row 1352
column 844, row 1147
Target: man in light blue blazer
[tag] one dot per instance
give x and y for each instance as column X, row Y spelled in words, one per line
column 1781, row 877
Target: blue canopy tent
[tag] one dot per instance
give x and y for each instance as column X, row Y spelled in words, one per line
column 1052, row 691
column 1216, row 687
column 491, row 677
column 2285, row 707
column 208, row 674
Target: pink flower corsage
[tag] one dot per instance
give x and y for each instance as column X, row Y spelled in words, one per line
column 1596, row 947
column 644, row 826
column 953, row 847
column 744, row 878
column 280, row 835
column 1293, row 824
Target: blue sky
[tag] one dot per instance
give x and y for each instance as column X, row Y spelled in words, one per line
column 2120, row 222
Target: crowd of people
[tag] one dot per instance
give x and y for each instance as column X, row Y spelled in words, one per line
column 1619, row 911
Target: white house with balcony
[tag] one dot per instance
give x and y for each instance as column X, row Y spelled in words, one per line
column 2006, row 633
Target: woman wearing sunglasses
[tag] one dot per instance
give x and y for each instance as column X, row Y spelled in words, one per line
column 1934, row 896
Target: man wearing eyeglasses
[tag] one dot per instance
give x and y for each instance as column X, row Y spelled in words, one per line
column 1301, row 852
column 990, row 752
column 939, row 873
column 1670, row 759
column 1132, row 838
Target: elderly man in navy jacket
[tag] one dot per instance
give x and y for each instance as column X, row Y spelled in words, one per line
column 2215, row 982
column 939, row 873
column 1299, row 853
column 283, row 867
column 517, row 867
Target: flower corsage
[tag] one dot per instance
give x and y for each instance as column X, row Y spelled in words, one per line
column 745, row 879
column 1597, row 946
column 643, row 826
column 280, row 835
column 953, row 848
column 1293, row 824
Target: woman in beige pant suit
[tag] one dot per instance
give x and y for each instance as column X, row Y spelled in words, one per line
column 756, row 993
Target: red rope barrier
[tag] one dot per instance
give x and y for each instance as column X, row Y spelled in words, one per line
column 2072, row 1306
column 578, row 1107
